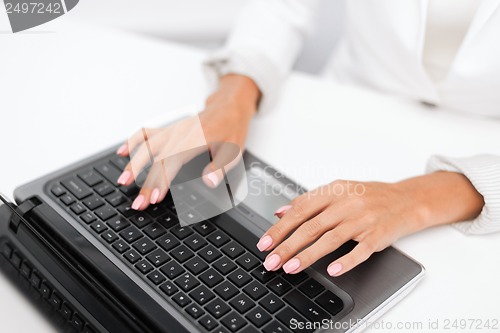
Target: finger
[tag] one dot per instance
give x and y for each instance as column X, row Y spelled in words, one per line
column 303, row 236
column 359, row 254
column 327, row 243
column 154, row 183
column 303, row 208
column 137, row 163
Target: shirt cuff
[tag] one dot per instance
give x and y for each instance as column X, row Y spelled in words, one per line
column 483, row 171
column 245, row 62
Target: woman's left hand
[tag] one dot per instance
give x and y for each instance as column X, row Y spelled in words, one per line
column 370, row 213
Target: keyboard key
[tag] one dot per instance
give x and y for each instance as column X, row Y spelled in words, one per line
column 141, row 220
column 130, row 190
column 239, row 277
column 263, row 275
column 330, row 302
column 204, row 228
column 118, row 223
column 275, row 327
column 279, row 286
column 154, row 230
column 169, row 288
column 116, row 199
column 57, row 190
column 126, row 210
column 104, row 189
column 218, row 238
column 209, row 253
column 78, row 208
column 217, row 308
column 311, row 288
column 196, row 265
column 181, row 232
column 98, row 227
column 208, row 322
column 211, row 278
column 119, row 161
column 144, row 246
column 131, row 234
column 255, row 290
column 109, row 236
column 172, row 269
column 105, row 212
column 158, row 257
column 248, row 261
column 222, row 329
column 182, row 253
column 181, row 299
column 233, row 250
column 168, row 220
column 67, row 199
column 195, row 311
column 187, row 282
column 226, row 290
column 77, row 322
column 258, row 317
column 189, row 217
column 76, row 187
column 55, row 300
column 224, row 265
column 233, row 321
column 167, row 242
column 305, row 306
column 93, row 202
column 120, row 246
column 88, row 218
column 25, row 270
column 195, row 242
column 295, row 279
column 66, row 311
column 155, row 211
column 272, row 303
column 45, row 290
column 288, row 315
column 132, row 256
column 90, row 178
column 35, row 280
column 242, row 303
column 201, row 295
column 156, row 277
column 144, row 266
column 110, row 172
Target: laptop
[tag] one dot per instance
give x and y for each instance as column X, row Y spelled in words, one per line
column 72, row 244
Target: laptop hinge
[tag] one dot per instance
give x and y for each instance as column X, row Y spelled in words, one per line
column 23, row 209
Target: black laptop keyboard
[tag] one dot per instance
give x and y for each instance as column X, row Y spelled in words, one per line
column 210, row 271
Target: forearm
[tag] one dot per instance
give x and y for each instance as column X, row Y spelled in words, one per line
column 442, row 198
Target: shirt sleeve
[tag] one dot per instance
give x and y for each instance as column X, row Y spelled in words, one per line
column 264, row 44
column 483, row 171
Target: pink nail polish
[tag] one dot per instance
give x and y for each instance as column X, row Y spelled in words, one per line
column 138, row 202
column 264, row 243
column 125, row 176
column 282, row 210
column 122, row 150
column 291, row 265
column 212, row 177
column 272, row 262
column 334, row 269
column 154, row 196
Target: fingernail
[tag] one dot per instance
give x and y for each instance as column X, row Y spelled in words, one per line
column 272, row 262
column 122, row 150
column 125, row 176
column 155, row 195
column 264, row 243
column 282, row 210
column 291, row 265
column 138, row 202
column 212, row 177
column 334, row 269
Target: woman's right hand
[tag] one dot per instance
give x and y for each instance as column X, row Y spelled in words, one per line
column 226, row 118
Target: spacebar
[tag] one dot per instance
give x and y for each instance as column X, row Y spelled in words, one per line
column 239, row 234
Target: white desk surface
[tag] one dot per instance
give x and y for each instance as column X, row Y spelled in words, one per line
column 69, row 90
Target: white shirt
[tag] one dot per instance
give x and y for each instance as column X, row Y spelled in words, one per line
column 445, row 52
